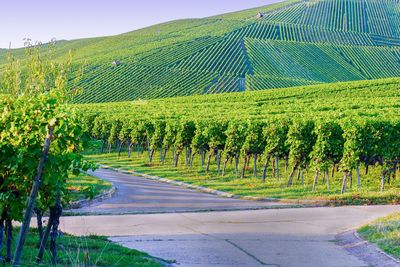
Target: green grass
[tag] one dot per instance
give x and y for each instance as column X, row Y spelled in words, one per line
column 72, row 251
column 385, row 233
column 250, row 186
column 86, row 187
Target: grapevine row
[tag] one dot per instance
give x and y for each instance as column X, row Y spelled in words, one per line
column 321, row 146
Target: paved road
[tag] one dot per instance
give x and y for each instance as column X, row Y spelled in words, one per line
column 269, row 237
column 140, row 195
column 275, row 237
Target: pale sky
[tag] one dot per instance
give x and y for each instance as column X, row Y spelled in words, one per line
column 42, row 20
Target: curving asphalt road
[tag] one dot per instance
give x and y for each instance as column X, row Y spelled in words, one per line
column 302, row 237
column 140, row 195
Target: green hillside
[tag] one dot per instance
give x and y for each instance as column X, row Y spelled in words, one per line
column 282, row 45
column 360, row 99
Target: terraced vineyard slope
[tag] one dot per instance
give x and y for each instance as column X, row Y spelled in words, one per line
column 287, row 44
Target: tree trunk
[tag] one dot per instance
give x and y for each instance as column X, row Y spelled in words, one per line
column 344, row 184
column 208, row 162
column 367, row 169
column 358, row 178
column 286, row 163
column 164, row 154
column 202, row 155
column 32, row 199
column 255, row 166
column 51, row 229
column 176, row 160
column 120, row 149
column 244, row 167
column 102, row 147
column 290, row 181
column 302, row 176
column 328, row 182
column 1, row 237
column 277, row 168
column 46, row 235
column 383, row 178
column 219, row 162
column 151, row 155
column 148, row 149
column 191, row 160
column 237, row 166
column 264, row 175
column 224, row 167
column 351, row 179
column 9, row 228
column 333, row 171
column 54, row 233
column 129, row 149
column 314, row 187
column 273, row 169
column 39, row 218
column 187, row 157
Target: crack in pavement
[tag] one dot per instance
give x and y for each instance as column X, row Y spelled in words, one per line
column 234, row 245
column 249, row 254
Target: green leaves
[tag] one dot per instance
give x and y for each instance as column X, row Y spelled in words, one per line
column 254, row 142
column 23, row 127
column 328, row 147
column 35, row 100
column 301, row 139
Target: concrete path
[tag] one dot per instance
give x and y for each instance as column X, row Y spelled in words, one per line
column 302, row 237
column 276, row 237
column 139, row 195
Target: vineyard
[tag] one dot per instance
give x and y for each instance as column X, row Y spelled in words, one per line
column 292, row 43
column 286, row 135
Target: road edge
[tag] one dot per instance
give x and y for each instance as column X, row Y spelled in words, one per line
column 369, row 253
column 87, row 202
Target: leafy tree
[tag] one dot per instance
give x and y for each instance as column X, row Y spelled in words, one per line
column 158, row 136
column 254, row 144
column 200, row 141
column 124, row 135
column 362, row 144
column 215, row 132
column 171, row 130
column 328, row 148
column 300, row 140
column 275, row 135
column 184, row 136
column 235, row 134
column 41, row 138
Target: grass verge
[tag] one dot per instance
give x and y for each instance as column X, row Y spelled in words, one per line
column 385, row 233
column 86, row 187
column 251, row 186
column 97, row 250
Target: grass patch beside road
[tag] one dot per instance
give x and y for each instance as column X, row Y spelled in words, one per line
column 250, row 186
column 385, row 233
column 72, row 251
column 85, row 186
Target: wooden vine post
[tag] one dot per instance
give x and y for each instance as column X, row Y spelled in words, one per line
column 32, row 198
